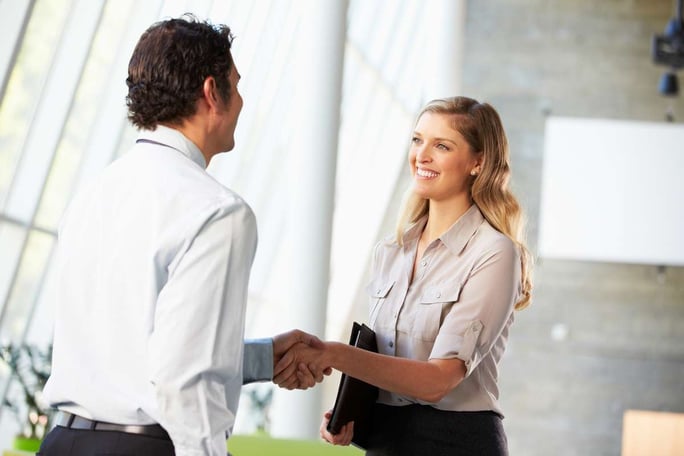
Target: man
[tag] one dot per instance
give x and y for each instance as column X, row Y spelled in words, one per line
column 153, row 263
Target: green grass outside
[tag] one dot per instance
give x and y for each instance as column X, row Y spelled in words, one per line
column 256, row 445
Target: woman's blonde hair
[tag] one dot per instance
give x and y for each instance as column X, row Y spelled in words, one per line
column 481, row 126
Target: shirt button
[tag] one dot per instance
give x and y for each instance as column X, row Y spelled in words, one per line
column 391, row 344
column 379, row 290
column 439, row 295
column 424, row 263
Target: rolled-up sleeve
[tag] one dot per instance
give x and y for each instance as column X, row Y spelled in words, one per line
column 485, row 304
column 196, row 346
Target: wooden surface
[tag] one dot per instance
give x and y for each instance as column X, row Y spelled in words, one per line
column 646, row 433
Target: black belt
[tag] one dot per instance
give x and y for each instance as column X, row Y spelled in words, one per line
column 71, row 421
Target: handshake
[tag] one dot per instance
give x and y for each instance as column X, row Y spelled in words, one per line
column 298, row 361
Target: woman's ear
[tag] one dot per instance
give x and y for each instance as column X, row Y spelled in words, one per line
column 479, row 162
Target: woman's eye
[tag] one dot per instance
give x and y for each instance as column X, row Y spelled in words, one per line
column 442, row 146
column 415, row 140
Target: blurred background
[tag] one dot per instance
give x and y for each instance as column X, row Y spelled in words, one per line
column 580, row 95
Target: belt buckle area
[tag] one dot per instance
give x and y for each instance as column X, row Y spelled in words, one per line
column 79, row 422
column 63, row 419
column 128, row 428
column 72, row 421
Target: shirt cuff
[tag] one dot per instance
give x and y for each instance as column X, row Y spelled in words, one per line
column 257, row 365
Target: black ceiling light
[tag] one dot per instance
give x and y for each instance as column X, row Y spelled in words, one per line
column 668, row 49
column 668, row 84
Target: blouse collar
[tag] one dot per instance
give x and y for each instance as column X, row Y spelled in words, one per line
column 457, row 236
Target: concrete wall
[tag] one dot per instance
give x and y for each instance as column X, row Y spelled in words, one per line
column 599, row 338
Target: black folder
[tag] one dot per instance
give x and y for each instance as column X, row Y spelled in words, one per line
column 356, row 399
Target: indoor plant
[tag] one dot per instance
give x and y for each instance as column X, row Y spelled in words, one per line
column 29, row 369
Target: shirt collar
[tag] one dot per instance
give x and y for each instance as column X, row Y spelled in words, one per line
column 463, row 230
column 412, row 234
column 457, row 236
column 176, row 140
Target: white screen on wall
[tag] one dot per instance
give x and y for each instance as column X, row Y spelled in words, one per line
column 613, row 191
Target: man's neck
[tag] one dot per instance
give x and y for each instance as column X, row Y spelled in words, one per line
column 196, row 133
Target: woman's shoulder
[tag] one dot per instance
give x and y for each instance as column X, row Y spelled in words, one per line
column 386, row 249
column 388, row 241
column 490, row 239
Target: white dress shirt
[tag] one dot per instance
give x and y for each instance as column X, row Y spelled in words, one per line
column 153, row 262
column 458, row 304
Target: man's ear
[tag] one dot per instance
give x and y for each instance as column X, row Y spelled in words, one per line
column 210, row 93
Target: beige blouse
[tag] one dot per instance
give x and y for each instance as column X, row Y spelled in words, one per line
column 459, row 305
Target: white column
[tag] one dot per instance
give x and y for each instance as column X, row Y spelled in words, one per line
column 444, row 48
column 318, row 69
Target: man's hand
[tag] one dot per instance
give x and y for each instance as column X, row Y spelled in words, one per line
column 291, row 352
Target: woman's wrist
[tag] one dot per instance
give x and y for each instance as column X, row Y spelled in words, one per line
column 333, row 354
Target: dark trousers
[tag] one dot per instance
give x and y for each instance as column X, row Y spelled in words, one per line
column 418, row 430
column 62, row 441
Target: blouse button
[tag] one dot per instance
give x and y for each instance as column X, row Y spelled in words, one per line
column 391, row 344
column 424, row 263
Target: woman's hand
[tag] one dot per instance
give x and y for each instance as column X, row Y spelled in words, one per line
column 345, row 435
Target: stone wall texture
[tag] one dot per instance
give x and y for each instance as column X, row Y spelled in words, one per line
column 599, row 338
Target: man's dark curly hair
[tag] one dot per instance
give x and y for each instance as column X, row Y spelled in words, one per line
column 168, row 68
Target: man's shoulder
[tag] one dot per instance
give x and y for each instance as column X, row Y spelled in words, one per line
column 169, row 183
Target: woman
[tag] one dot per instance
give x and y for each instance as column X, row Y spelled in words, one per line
column 443, row 292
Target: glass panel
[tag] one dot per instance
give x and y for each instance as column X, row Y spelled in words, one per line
column 11, row 242
column 87, row 104
column 41, row 326
column 13, row 18
column 49, row 118
column 25, row 83
column 26, row 286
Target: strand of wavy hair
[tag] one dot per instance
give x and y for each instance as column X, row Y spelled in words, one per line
column 498, row 205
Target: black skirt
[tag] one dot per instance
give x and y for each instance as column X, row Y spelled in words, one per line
column 418, row 430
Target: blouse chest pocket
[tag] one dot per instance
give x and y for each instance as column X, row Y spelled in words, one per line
column 378, row 291
column 433, row 305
